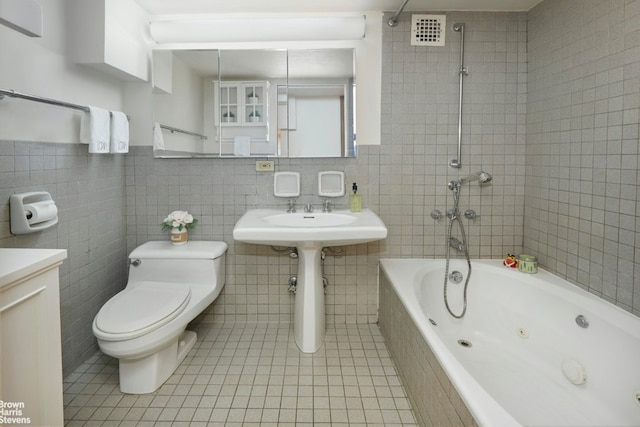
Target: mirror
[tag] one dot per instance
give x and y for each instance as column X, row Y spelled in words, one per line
column 247, row 101
column 254, row 103
column 320, row 104
column 182, row 102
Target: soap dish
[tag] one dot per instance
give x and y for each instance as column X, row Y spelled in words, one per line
column 331, row 184
column 286, row 184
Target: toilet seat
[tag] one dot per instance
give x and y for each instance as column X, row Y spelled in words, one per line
column 140, row 309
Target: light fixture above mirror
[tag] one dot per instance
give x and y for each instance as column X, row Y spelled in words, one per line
column 202, row 29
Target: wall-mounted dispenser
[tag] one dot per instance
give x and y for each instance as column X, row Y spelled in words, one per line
column 33, row 211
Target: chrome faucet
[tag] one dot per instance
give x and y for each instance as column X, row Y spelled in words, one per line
column 292, row 206
column 326, row 206
column 308, row 208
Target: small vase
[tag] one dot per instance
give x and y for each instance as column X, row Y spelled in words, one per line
column 179, row 237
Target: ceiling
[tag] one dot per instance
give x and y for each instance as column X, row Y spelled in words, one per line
column 323, row 6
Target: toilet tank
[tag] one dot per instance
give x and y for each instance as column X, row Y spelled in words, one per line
column 197, row 262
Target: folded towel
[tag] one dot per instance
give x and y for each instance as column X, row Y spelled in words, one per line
column 94, row 130
column 158, row 139
column 119, row 132
column 242, row 145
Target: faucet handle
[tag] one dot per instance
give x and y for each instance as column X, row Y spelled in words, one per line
column 436, row 214
column 470, row 214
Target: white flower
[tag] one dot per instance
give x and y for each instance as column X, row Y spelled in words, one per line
column 179, row 219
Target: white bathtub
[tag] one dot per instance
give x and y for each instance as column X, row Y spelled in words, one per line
column 522, row 330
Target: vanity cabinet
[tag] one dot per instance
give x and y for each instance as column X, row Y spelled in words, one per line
column 30, row 341
column 243, row 103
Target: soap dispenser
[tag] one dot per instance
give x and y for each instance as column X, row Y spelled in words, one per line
column 355, row 199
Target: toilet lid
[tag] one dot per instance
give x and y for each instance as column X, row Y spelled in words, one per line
column 142, row 308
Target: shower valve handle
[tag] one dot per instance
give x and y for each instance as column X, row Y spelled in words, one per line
column 470, row 214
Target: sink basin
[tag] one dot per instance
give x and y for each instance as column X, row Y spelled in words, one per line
column 309, row 233
column 337, row 228
column 309, row 219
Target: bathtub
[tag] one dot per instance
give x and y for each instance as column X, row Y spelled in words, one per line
column 522, row 355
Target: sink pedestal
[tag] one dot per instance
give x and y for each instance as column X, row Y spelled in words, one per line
column 309, row 232
column 308, row 319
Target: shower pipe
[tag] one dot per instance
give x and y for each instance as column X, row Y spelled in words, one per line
column 459, row 28
column 393, row 21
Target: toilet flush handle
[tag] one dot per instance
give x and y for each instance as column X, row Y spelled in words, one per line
column 135, row 262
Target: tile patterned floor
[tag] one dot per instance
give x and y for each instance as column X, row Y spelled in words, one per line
column 253, row 375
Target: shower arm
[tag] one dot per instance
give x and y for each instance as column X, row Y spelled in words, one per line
column 459, row 27
column 393, row 21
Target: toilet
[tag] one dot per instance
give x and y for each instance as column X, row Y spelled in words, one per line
column 144, row 325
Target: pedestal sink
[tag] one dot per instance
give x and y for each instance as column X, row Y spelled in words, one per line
column 309, row 233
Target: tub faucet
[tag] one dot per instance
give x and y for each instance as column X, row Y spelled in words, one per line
column 456, row 244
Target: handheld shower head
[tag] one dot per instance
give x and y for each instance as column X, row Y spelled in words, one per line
column 481, row 176
column 484, row 177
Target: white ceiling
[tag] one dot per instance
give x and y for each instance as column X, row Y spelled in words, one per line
column 324, row 6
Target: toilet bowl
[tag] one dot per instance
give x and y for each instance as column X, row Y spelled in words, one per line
column 144, row 325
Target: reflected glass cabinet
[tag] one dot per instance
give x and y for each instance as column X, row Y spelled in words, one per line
column 242, row 119
column 244, row 103
column 229, row 104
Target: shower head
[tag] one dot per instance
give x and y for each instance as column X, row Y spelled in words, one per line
column 481, row 176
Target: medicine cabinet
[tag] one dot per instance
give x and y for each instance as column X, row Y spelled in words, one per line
column 256, row 103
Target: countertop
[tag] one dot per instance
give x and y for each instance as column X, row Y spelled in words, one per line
column 18, row 263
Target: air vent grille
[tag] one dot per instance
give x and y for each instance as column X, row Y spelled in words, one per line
column 428, row 30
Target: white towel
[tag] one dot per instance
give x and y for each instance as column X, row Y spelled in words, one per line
column 158, row 139
column 94, row 130
column 119, row 132
column 242, row 145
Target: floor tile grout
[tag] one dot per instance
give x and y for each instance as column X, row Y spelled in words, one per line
column 253, row 375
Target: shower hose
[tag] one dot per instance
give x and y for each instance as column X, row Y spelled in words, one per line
column 455, row 218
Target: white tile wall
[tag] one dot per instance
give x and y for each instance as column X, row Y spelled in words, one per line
column 581, row 209
column 89, row 192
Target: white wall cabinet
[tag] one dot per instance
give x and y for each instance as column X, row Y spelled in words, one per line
column 30, row 342
column 109, row 35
